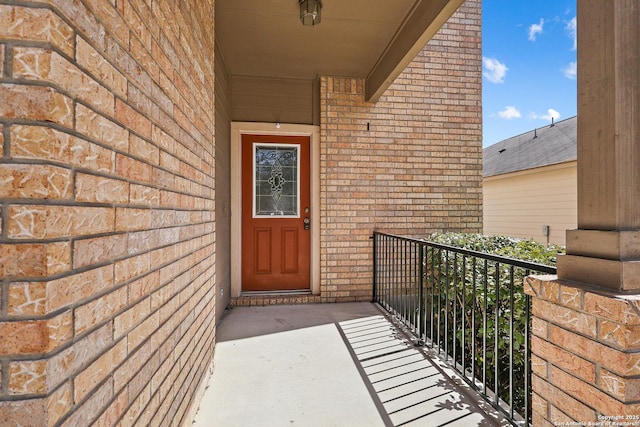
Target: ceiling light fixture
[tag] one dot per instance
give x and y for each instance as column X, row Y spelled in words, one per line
column 310, row 12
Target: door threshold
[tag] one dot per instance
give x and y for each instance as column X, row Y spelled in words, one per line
column 262, row 298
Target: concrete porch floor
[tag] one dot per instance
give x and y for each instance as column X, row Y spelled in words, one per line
column 330, row 365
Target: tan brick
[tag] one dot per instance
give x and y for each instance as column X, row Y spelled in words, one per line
column 587, row 393
column 127, row 167
column 137, row 24
column 68, row 290
column 98, row 370
column 565, row 317
column 132, row 219
column 612, row 308
column 88, row 155
column 539, row 366
column 58, row 404
column 99, row 249
column 92, row 188
column 58, row 257
column 38, row 142
column 133, row 120
column 142, row 55
column 85, row 413
column 571, row 297
column 625, row 364
column 624, row 389
column 99, row 67
column 538, row 420
column 139, row 402
column 45, row 222
column 70, row 361
column 35, row 103
column 553, row 393
column 557, row 417
column 141, row 148
column 100, row 128
column 150, row 410
column 142, row 331
column 132, row 267
column 366, row 174
column 60, row 330
column 48, row 66
column 109, row 17
column 162, row 218
column 621, row 336
column 27, row 299
column 34, row 336
column 564, row 359
column 169, row 199
column 35, row 182
column 32, row 63
column 33, row 24
column 142, row 195
column 170, row 162
column 27, row 377
column 111, row 415
column 539, row 405
column 143, row 241
column 130, row 318
column 23, row 260
column 97, row 311
column 29, row 412
column 143, row 286
column 163, row 140
column 134, row 363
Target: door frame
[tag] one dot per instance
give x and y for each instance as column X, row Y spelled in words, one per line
column 247, row 128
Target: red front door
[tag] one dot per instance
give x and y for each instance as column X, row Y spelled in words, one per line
column 276, row 213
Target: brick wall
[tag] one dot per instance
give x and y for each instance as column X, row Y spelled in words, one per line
column 586, row 354
column 106, row 210
column 416, row 170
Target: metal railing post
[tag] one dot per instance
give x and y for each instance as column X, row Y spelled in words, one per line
column 374, row 295
column 421, row 313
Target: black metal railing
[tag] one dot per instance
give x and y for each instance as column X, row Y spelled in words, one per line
column 467, row 306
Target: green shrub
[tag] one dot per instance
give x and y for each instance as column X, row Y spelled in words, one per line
column 463, row 293
column 522, row 249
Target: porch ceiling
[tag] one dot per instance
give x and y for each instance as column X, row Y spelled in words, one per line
column 374, row 39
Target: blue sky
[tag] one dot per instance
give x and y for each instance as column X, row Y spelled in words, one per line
column 529, row 59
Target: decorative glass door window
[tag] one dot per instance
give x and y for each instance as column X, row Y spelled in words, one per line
column 276, row 180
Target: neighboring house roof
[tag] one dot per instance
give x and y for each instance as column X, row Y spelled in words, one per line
column 544, row 146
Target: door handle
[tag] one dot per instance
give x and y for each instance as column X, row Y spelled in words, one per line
column 307, row 223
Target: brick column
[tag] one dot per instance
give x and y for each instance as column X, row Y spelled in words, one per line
column 586, row 326
column 586, row 353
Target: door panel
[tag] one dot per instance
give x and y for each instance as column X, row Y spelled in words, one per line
column 290, row 239
column 263, row 250
column 275, row 203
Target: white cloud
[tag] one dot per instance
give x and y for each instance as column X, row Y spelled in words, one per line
column 571, row 70
column 572, row 30
column 509, row 112
column 551, row 114
column 535, row 29
column 494, row 70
